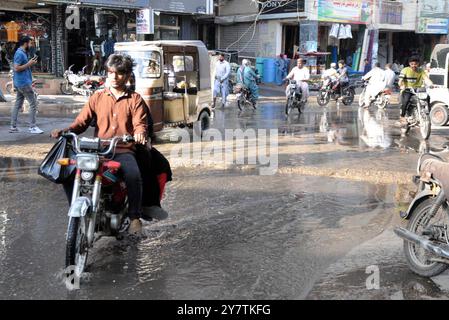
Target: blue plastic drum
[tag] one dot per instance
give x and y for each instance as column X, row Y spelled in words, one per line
column 269, row 70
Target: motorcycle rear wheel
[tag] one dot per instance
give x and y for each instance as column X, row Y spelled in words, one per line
column 75, row 242
column 414, row 262
column 349, row 97
column 322, row 99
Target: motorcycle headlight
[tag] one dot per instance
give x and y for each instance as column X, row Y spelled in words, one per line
column 88, row 162
column 422, row 95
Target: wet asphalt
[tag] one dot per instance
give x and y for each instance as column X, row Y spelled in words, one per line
column 235, row 234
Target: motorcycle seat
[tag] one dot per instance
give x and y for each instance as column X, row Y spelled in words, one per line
column 95, row 78
column 435, row 169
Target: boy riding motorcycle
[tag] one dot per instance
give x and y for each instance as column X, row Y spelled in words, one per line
column 411, row 77
column 118, row 111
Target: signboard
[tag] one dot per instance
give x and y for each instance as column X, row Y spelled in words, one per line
column 128, row 4
column 345, row 11
column 308, row 36
column 281, row 6
column 432, row 26
column 190, row 6
column 434, row 9
column 144, row 21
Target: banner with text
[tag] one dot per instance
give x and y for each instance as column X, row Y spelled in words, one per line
column 144, row 21
column 281, row 6
column 345, row 11
column 432, row 26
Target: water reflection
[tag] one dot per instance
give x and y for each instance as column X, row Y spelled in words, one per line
column 12, row 169
column 374, row 128
column 339, row 127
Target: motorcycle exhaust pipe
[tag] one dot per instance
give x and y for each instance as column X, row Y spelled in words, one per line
column 440, row 250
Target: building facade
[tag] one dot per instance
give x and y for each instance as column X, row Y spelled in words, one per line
column 276, row 30
column 82, row 33
column 380, row 30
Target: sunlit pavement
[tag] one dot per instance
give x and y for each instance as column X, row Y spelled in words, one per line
column 310, row 231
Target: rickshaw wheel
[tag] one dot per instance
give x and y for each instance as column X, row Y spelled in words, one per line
column 439, row 114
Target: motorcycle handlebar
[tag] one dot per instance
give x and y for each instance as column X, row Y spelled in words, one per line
column 112, row 142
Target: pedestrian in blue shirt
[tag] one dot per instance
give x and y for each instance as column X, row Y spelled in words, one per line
column 22, row 83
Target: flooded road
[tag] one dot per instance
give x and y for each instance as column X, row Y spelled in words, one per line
column 232, row 238
column 233, row 234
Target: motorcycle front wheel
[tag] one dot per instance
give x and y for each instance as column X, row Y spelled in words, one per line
column 66, row 88
column 417, row 257
column 240, row 104
column 288, row 107
column 323, row 97
column 254, row 104
column 425, row 126
column 76, row 246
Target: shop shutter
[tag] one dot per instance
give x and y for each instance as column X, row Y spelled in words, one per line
column 230, row 34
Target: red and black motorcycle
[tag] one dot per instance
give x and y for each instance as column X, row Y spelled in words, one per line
column 331, row 89
column 99, row 200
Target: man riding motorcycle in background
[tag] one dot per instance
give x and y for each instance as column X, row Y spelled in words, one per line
column 411, row 77
column 247, row 76
column 300, row 74
column 376, row 83
column 118, row 111
column 342, row 76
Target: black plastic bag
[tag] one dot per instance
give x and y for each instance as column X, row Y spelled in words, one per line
column 51, row 169
column 151, row 164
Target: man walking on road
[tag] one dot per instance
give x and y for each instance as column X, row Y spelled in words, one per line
column 22, row 83
column 221, row 84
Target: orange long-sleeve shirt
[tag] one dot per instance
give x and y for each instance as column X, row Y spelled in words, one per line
column 127, row 115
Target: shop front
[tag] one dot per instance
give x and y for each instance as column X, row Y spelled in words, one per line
column 88, row 30
column 183, row 20
column 25, row 20
column 343, row 30
column 89, row 46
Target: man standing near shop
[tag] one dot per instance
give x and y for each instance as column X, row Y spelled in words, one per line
column 221, row 84
column 22, row 83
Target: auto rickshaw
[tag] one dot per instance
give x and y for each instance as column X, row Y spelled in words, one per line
column 439, row 74
column 173, row 78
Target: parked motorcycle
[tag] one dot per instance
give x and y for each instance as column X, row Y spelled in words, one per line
column 9, row 87
column 426, row 238
column 294, row 97
column 243, row 96
column 327, row 92
column 382, row 99
column 418, row 113
column 80, row 83
column 99, row 201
